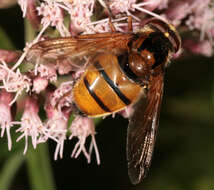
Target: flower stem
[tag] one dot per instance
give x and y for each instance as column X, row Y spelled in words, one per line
column 30, row 33
column 39, row 168
column 38, row 161
column 9, row 170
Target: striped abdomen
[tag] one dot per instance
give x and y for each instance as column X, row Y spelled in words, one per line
column 104, row 88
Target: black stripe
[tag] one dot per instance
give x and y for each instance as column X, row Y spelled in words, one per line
column 96, row 98
column 112, row 84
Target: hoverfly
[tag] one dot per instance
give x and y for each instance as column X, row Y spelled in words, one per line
column 124, row 69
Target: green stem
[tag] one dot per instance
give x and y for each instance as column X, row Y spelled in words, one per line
column 212, row 100
column 9, row 170
column 39, row 168
column 29, row 31
column 38, row 162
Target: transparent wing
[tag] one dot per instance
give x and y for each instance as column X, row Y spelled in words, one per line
column 76, row 49
column 142, row 131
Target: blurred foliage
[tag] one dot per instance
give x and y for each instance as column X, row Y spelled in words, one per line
column 183, row 157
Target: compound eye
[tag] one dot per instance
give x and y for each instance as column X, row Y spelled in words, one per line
column 137, row 64
column 169, row 31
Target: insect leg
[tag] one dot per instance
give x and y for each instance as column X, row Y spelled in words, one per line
column 111, row 25
column 130, row 27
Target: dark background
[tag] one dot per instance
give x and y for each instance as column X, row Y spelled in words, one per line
column 184, row 154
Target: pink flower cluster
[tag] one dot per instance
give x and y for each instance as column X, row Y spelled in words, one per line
column 69, row 18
